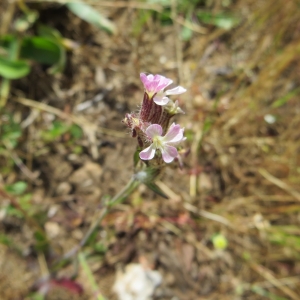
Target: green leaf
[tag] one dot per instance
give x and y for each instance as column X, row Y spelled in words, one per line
column 13, row 69
column 10, row 131
column 49, row 32
column 17, row 188
column 54, row 35
column 281, row 101
column 76, row 131
column 41, row 49
column 186, row 34
column 92, row 16
column 58, row 129
column 224, row 21
column 152, row 186
column 41, row 242
column 36, row 296
column 60, row 65
column 5, row 240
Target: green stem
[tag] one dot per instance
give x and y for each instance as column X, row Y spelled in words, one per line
column 90, row 276
column 121, row 196
column 14, row 49
column 4, row 91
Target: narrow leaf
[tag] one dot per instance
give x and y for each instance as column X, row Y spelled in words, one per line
column 224, row 21
column 92, row 16
column 281, row 101
column 152, row 186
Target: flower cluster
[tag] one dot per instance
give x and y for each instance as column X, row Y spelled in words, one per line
column 151, row 125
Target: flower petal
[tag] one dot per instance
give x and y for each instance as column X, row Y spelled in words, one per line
column 146, row 80
column 169, row 153
column 176, row 91
column 154, row 83
column 163, row 83
column 174, row 134
column 161, row 99
column 154, row 130
column 148, row 153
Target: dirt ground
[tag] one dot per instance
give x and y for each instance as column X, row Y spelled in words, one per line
column 241, row 174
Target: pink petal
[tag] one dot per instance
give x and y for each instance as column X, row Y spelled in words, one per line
column 153, row 86
column 154, row 130
column 148, row 153
column 146, row 80
column 143, row 78
column 164, row 82
column 176, row 91
column 169, row 153
column 174, row 134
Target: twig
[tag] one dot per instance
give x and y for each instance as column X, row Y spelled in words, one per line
column 113, row 4
column 208, row 215
column 274, row 281
column 279, row 183
column 80, row 121
column 7, row 17
column 178, row 44
column 192, row 26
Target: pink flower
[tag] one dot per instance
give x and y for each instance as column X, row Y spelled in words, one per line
column 164, row 143
column 155, row 84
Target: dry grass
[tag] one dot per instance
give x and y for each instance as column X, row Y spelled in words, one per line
column 240, row 179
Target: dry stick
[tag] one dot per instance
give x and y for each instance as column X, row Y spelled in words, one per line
column 6, row 18
column 80, row 121
column 274, row 281
column 178, row 44
column 279, row 183
column 113, row 4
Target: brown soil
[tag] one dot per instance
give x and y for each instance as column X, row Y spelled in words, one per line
column 241, row 177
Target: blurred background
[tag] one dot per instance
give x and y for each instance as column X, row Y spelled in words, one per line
column 69, row 73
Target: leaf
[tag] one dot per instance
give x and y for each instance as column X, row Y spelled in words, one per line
column 6, row 40
column 92, row 16
column 60, row 65
column 224, row 21
column 281, row 101
column 54, row 35
column 57, row 130
column 186, row 34
column 49, row 32
column 10, row 131
column 17, row 188
column 152, row 186
column 76, row 131
column 13, row 69
column 41, row 49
